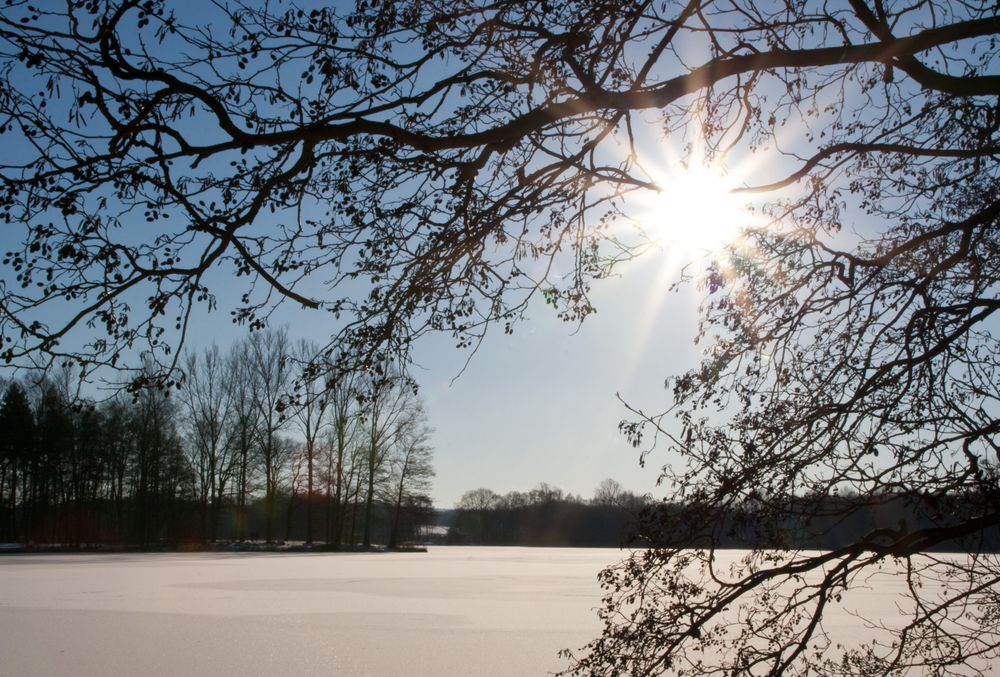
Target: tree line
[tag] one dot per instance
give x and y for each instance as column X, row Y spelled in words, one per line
column 254, row 444
column 546, row 516
column 614, row 517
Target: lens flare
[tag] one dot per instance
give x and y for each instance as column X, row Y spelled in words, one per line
column 692, row 214
column 691, row 211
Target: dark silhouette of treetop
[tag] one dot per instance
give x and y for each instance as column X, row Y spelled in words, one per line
column 410, row 166
column 426, row 166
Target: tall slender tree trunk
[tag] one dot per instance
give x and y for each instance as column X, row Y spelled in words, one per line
column 241, row 509
column 212, row 517
column 268, row 514
column 338, row 508
column 369, row 499
column 354, row 517
column 203, row 518
column 309, row 494
column 328, row 531
column 394, row 531
column 217, row 509
column 289, row 514
column 3, row 503
column 13, row 502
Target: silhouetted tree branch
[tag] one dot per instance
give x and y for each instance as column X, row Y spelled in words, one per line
column 406, row 166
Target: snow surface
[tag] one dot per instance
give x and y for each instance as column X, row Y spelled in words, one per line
column 480, row 611
column 451, row 611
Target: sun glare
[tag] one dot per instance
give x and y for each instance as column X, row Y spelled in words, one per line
column 693, row 212
column 690, row 214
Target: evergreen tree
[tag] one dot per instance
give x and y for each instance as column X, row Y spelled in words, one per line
column 17, row 437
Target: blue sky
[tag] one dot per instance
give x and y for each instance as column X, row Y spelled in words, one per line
column 541, row 405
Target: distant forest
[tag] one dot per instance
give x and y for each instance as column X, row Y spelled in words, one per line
column 545, row 516
column 229, row 456
column 614, row 517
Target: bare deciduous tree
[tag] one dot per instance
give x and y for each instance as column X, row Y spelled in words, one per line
column 244, row 426
column 208, row 409
column 410, row 468
column 310, row 412
column 388, row 403
column 344, row 427
column 271, row 371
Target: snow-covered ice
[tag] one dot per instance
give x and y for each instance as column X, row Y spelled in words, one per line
column 451, row 611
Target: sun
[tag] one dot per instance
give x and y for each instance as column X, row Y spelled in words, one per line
column 693, row 215
column 692, row 210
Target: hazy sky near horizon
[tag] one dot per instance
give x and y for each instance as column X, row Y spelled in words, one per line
column 541, row 405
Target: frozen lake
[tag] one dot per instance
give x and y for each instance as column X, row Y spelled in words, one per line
column 479, row 611
column 452, row 611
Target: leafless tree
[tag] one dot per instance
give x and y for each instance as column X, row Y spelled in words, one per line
column 159, row 474
column 312, row 399
column 478, row 499
column 205, row 399
column 608, row 492
column 244, row 425
column 410, row 468
column 428, row 164
column 388, row 402
column 270, row 369
column 344, row 427
column 293, row 460
column 354, row 485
